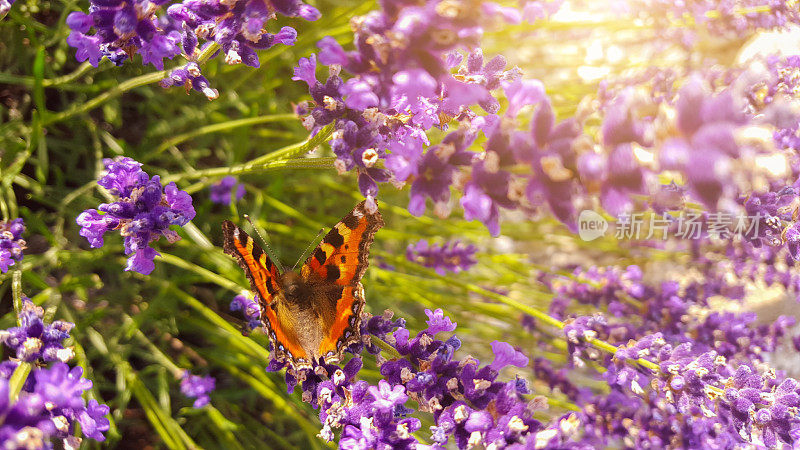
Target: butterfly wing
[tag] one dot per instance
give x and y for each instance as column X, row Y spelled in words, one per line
column 335, row 268
column 265, row 282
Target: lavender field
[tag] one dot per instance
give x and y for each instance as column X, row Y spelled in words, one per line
column 400, row 224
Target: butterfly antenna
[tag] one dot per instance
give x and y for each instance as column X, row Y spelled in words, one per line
column 272, row 255
column 313, row 244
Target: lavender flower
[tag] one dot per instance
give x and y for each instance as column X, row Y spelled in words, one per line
column 143, row 212
column 197, row 387
column 226, row 190
column 452, row 256
column 48, row 406
column 751, row 404
column 396, row 93
column 693, row 364
column 436, row 170
column 708, row 124
column 34, row 340
column 190, row 76
column 51, row 400
column 238, row 27
column 377, row 416
column 11, row 243
column 124, row 29
column 62, row 386
column 120, row 26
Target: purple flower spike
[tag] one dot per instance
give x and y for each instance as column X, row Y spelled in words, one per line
column 34, row 340
column 49, row 405
column 143, row 212
column 406, row 76
column 157, row 30
column 197, row 387
column 376, row 416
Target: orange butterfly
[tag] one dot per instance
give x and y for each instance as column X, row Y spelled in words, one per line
column 316, row 313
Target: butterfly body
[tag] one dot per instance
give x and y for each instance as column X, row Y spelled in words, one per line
column 313, row 314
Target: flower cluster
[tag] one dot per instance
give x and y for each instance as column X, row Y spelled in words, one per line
column 35, row 340
column 656, row 147
column 143, row 212
column 11, row 243
column 406, row 77
column 226, row 190
column 452, row 256
column 705, row 123
column 665, row 308
column 164, row 29
column 393, row 98
column 122, row 29
column 48, row 407
column 767, row 264
column 698, row 399
column 754, row 406
column 197, row 387
column 700, row 395
column 50, row 402
column 459, row 393
column 721, row 19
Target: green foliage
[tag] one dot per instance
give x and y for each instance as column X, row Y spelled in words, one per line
column 136, row 334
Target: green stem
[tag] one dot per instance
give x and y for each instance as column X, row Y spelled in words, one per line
column 299, row 149
column 74, row 75
column 277, row 160
column 229, row 125
column 535, row 313
column 155, row 352
column 80, row 355
column 114, row 92
column 563, row 404
column 16, row 293
column 250, row 346
column 249, row 168
column 203, row 272
column 17, row 380
column 170, row 431
column 206, row 54
column 386, row 347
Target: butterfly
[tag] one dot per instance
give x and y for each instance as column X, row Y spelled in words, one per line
column 313, row 314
